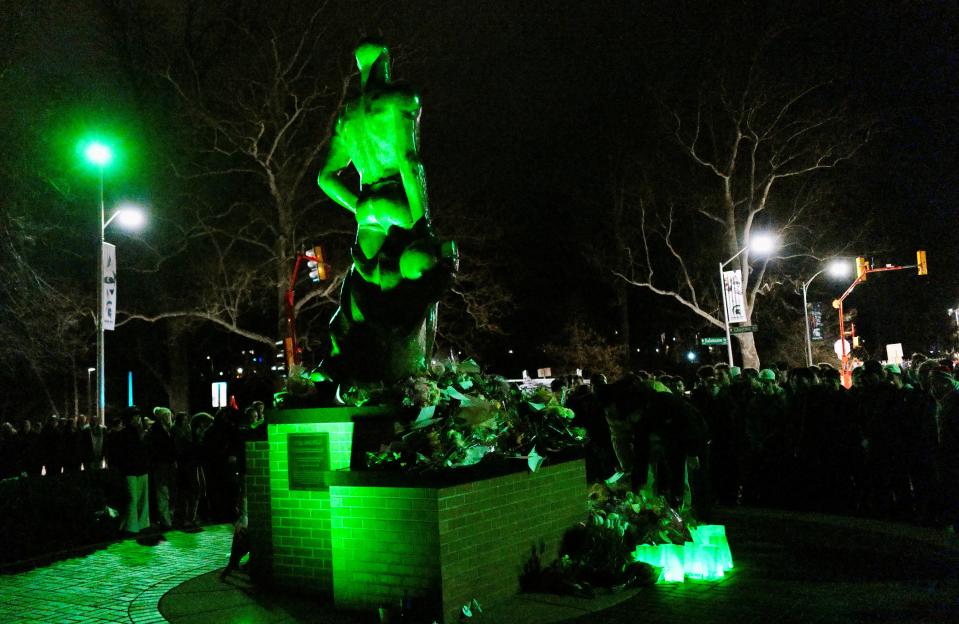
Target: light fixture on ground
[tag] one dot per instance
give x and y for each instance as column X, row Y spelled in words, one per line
column 836, row 268
column 761, row 244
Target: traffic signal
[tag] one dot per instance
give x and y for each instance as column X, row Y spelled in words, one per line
column 855, row 342
column 314, row 260
column 921, row 262
column 862, row 268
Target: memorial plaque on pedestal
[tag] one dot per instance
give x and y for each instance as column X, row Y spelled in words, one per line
column 309, row 459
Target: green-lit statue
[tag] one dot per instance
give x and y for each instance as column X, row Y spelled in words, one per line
column 386, row 323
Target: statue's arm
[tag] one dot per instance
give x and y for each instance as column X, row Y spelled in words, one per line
column 411, row 167
column 337, row 159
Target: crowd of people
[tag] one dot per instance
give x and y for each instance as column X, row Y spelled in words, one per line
column 796, row 438
column 888, row 446
column 175, row 469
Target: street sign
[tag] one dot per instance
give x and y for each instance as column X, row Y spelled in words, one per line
column 712, row 340
column 744, row 329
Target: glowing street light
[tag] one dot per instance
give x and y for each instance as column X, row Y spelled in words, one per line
column 98, row 154
column 838, row 269
column 761, row 244
column 128, row 216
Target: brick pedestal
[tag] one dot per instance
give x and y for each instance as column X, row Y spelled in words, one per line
column 368, row 539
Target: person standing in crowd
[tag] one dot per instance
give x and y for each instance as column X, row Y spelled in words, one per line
column 163, row 464
column 191, row 480
column 31, row 458
column 129, row 454
column 945, row 390
column 52, row 458
column 586, row 403
column 9, row 451
column 90, row 440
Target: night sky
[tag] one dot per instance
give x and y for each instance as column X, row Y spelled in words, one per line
column 531, row 108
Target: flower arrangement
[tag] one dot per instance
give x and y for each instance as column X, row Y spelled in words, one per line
column 463, row 416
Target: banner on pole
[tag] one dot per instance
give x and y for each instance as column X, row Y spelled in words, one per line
column 733, row 289
column 815, row 321
column 109, row 286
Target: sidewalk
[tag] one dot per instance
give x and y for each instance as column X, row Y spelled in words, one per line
column 122, row 583
column 790, row 567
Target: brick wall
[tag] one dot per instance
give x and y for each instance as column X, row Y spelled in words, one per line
column 488, row 528
column 300, row 519
column 385, row 546
column 258, row 508
column 444, row 546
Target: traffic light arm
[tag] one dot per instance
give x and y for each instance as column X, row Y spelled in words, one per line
column 290, row 297
column 863, row 269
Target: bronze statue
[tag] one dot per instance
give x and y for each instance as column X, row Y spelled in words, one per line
column 385, row 326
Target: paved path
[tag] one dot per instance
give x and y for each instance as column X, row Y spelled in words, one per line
column 789, row 568
column 812, row 569
column 122, row 583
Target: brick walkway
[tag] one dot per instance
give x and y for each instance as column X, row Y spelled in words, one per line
column 122, row 583
column 789, row 568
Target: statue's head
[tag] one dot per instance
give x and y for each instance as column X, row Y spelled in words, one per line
column 373, row 61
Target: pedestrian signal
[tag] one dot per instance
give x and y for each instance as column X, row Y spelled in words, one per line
column 921, row 262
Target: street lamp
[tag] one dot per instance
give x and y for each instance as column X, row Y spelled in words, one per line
column 100, row 155
column 837, row 269
column 129, row 217
column 760, row 244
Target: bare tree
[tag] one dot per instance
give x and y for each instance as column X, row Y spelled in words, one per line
column 256, row 93
column 760, row 154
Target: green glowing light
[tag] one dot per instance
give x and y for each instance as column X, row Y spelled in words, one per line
column 707, row 557
column 714, row 535
column 98, row 153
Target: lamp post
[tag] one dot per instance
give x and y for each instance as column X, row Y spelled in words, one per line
column 955, row 313
column 100, row 155
column 760, row 244
column 836, row 268
column 129, row 217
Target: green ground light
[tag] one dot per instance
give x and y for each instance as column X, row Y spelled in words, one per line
column 707, row 557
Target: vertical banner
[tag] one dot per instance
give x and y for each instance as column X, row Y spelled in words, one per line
column 733, row 288
column 109, row 286
column 815, row 321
